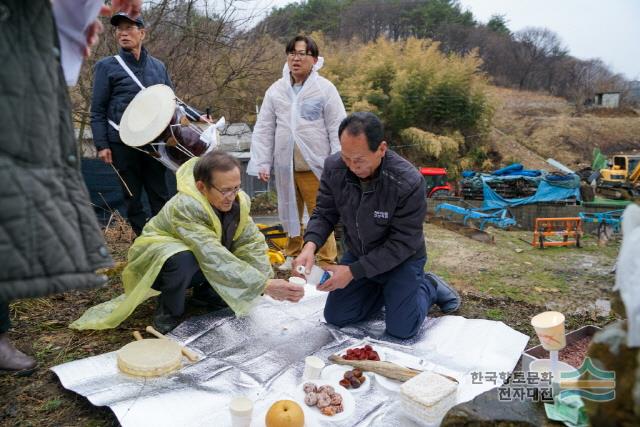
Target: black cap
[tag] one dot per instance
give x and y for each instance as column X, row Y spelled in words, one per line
column 120, row 16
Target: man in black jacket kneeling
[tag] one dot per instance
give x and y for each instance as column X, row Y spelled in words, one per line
column 380, row 199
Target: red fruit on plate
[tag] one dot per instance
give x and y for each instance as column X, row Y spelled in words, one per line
column 345, row 383
column 371, row 356
column 368, row 347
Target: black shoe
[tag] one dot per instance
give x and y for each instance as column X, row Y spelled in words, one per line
column 204, row 296
column 447, row 298
column 164, row 321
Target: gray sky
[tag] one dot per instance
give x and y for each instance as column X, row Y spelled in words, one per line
column 605, row 29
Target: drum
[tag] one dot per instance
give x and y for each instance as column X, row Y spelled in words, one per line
column 155, row 122
column 182, row 138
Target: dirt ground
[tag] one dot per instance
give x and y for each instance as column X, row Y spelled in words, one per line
column 508, row 281
column 529, row 127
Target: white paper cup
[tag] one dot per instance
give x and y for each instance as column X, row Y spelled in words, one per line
column 312, row 368
column 240, row 409
column 549, row 327
column 297, row 281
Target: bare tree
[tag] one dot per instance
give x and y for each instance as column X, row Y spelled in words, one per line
column 212, row 59
column 537, row 48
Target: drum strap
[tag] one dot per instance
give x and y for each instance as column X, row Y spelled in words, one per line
column 128, row 70
column 133, row 77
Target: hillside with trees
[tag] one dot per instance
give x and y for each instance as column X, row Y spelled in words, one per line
column 533, row 58
column 451, row 90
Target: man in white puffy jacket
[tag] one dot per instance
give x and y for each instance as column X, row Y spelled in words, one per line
column 296, row 130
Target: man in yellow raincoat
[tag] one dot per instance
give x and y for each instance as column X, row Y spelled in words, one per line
column 203, row 238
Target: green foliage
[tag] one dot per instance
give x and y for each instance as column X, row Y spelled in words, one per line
column 51, row 405
column 494, row 314
column 440, row 147
column 498, row 24
column 312, row 15
column 341, row 18
column 429, row 101
column 435, row 13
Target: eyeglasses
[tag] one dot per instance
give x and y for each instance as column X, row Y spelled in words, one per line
column 127, row 28
column 301, row 54
column 227, row 193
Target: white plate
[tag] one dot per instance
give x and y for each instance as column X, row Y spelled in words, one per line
column 380, row 353
column 388, row 384
column 262, row 407
column 385, row 383
column 348, row 402
column 335, row 373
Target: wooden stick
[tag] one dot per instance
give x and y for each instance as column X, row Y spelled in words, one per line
column 193, row 357
column 386, row 369
column 137, row 336
column 123, row 182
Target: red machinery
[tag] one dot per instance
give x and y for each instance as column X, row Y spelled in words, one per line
column 435, row 180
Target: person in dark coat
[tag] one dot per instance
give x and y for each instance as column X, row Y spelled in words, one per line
column 113, row 89
column 379, row 197
column 50, row 240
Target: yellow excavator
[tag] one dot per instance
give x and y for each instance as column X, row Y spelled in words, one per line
column 621, row 180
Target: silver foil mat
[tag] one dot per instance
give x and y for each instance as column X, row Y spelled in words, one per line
column 261, row 356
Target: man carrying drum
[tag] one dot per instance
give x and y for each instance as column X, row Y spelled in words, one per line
column 117, row 79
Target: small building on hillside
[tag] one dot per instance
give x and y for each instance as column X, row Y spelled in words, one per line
column 607, row 100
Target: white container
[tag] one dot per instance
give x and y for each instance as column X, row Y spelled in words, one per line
column 313, row 366
column 544, row 366
column 427, row 397
column 314, row 277
column 241, row 409
column 549, row 327
column 538, row 352
column 297, row 281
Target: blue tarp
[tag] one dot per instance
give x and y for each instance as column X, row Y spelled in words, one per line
column 547, row 192
column 516, row 169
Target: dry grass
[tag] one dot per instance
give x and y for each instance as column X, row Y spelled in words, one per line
column 531, row 127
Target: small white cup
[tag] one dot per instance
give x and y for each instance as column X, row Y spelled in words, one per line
column 241, row 409
column 549, row 327
column 313, row 366
column 297, row 281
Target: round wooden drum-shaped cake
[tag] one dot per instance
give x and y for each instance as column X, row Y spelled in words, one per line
column 150, row 357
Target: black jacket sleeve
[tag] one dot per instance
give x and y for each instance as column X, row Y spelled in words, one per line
column 325, row 215
column 405, row 237
column 99, row 106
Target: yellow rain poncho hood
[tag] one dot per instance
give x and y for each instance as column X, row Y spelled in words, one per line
column 188, row 223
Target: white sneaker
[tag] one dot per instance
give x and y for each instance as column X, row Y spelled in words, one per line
column 287, row 264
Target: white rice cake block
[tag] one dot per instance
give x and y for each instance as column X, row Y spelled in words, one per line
column 428, row 396
column 150, row 357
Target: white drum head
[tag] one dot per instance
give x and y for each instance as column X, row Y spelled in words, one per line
column 148, row 115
